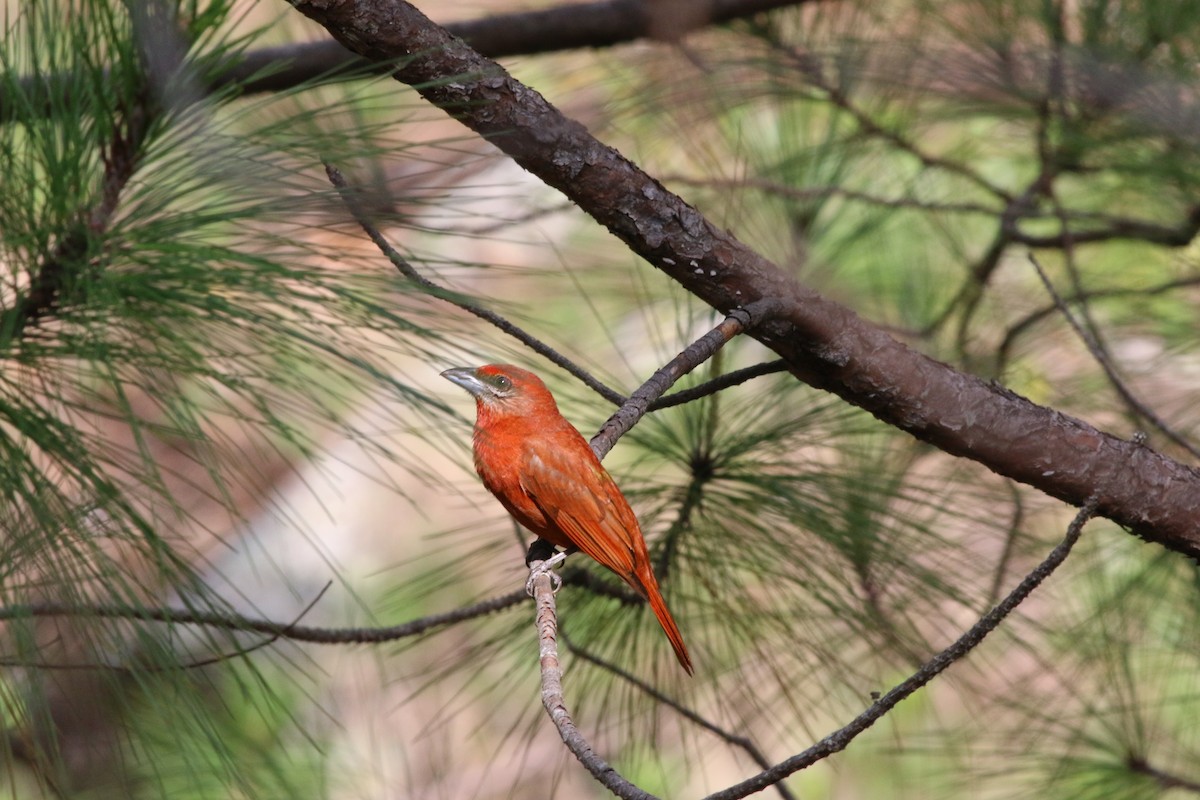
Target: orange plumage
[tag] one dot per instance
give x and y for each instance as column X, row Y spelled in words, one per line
column 547, row 477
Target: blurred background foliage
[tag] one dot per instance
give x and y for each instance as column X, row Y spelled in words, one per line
column 217, row 395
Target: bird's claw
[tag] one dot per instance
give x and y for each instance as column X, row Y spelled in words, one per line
column 546, row 567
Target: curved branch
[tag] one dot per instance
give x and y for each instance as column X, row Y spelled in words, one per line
column 1104, row 360
column 840, row 739
column 277, row 630
column 823, row 343
column 487, row 315
column 597, row 24
column 719, row 383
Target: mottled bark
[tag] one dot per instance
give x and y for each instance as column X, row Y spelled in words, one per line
column 825, row 344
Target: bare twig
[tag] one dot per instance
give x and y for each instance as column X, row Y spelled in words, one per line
column 407, row 270
column 841, row 738
column 971, row 294
column 694, row 355
column 1019, row 328
column 1101, row 357
column 821, row 192
column 1138, row 230
column 1010, row 543
column 554, row 702
column 812, row 71
column 279, row 630
column 241, row 652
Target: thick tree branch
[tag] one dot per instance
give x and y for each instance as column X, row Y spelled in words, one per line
column 825, row 344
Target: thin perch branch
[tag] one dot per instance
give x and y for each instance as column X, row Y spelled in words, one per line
column 552, row 693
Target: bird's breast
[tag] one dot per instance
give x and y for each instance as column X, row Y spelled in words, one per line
column 498, row 458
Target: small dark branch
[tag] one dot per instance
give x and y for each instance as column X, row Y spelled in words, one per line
column 971, row 294
column 529, row 216
column 1114, row 227
column 577, row 576
column 1010, row 543
column 701, row 473
column 1016, row 207
column 1179, row 235
column 814, row 73
column 720, row 383
column 823, row 192
column 1019, row 328
column 840, row 739
column 240, row 652
column 743, row 742
column 873, row 600
column 1101, row 356
column 571, row 26
column 1165, row 780
column 699, row 351
column 48, row 282
column 292, row 632
column 407, row 270
column 556, row 705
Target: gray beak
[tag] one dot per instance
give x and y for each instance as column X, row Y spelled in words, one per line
column 466, row 378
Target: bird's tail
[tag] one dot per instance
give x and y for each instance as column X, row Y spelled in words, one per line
column 649, row 587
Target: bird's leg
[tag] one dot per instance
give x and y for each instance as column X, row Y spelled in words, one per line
column 539, row 550
column 538, row 566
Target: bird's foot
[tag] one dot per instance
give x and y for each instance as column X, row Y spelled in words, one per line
column 537, row 568
column 539, row 550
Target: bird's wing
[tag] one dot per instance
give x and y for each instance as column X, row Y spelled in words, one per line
column 581, row 499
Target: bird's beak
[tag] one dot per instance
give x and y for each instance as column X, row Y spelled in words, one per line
column 467, row 379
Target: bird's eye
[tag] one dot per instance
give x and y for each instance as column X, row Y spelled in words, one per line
column 502, row 383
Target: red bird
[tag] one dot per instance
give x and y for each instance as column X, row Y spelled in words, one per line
column 543, row 471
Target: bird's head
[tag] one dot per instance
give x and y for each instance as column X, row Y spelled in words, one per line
column 503, row 390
